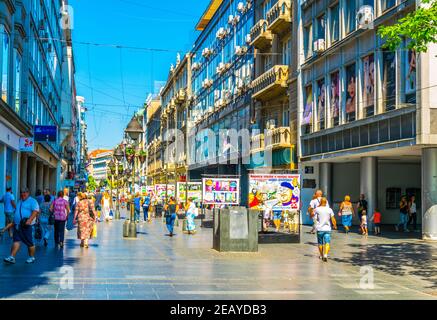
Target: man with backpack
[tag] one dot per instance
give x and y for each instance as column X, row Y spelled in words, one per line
column 146, row 205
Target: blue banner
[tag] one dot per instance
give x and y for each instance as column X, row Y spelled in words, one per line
column 45, row 133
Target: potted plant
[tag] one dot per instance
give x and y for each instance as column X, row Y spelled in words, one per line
column 142, row 155
column 130, row 152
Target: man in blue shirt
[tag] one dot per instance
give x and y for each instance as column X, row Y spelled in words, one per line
column 25, row 216
column 39, row 197
column 146, row 204
column 9, row 202
column 137, row 207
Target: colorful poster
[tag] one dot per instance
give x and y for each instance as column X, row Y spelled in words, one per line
column 162, row 189
column 26, row 144
column 194, row 191
column 149, row 190
column 276, row 191
column 369, row 81
column 351, row 89
column 221, row 191
column 410, row 83
column 308, row 108
column 321, row 102
column 335, row 95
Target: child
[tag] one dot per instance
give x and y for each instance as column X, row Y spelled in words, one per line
column 364, row 224
column 377, row 221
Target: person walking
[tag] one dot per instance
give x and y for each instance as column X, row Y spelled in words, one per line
column 191, row 213
column 325, row 221
column 60, row 208
column 8, row 201
column 346, row 213
column 24, row 218
column 137, row 206
column 85, row 216
column 315, row 202
column 170, row 210
column 362, row 206
column 39, row 197
column 146, row 205
column 106, row 207
column 46, row 219
column 413, row 213
column 98, row 203
column 403, row 215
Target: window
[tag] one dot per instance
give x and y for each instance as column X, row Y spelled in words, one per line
column 410, row 76
column 389, row 80
column 321, row 102
column 5, row 62
column 335, row 98
column 387, row 4
column 320, row 27
column 286, row 52
column 350, row 16
column 308, row 41
column 351, row 88
column 369, row 85
column 335, row 23
column 17, row 80
column 392, row 198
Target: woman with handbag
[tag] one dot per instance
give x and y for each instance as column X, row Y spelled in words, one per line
column 346, row 213
column 85, row 217
column 60, row 208
column 170, row 210
column 46, row 219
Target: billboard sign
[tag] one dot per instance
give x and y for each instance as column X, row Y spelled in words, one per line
column 26, row 144
column 221, row 191
column 194, row 191
column 45, row 133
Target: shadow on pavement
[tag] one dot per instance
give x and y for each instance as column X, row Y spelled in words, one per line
column 399, row 259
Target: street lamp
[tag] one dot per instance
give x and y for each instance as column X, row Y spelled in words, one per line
column 118, row 155
column 134, row 129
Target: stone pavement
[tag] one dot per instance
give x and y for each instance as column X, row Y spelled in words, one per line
column 155, row 266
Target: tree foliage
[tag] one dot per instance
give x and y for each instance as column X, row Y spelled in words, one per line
column 92, row 185
column 419, row 26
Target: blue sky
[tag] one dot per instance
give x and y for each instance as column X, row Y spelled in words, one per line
column 114, row 81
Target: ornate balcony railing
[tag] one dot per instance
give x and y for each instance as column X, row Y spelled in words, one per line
column 279, row 16
column 270, row 83
column 278, row 138
column 260, row 35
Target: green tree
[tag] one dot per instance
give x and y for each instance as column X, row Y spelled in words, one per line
column 419, row 26
column 92, row 185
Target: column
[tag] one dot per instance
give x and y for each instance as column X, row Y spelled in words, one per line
column 39, row 176
column 15, row 172
column 325, row 180
column 31, row 178
column 369, row 183
column 46, row 178
column 23, row 170
column 429, row 194
column 52, row 184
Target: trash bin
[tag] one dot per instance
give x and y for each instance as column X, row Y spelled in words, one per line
column 235, row 229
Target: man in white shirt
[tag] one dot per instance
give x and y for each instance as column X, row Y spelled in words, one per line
column 315, row 202
column 324, row 222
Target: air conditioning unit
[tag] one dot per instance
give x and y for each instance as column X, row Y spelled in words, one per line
column 236, row 19
column 221, row 33
column 248, row 39
column 240, row 7
column 195, row 66
column 240, row 50
column 207, row 83
column 221, row 68
column 365, row 17
column 231, row 19
column 206, row 52
column 210, row 110
column 319, row 45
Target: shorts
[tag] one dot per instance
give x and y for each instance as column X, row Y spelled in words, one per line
column 9, row 217
column 277, row 215
column 377, row 224
column 323, row 237
column 24, row 235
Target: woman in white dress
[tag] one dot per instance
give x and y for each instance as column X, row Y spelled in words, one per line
column 106, row 207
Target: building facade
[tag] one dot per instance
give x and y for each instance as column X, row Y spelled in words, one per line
column 222, row 71
column 367, row 115
column 33, row 79
column 98, row 164
column 81, row 146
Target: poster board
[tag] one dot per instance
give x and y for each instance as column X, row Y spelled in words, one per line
column 162, row 189
column 276, row 191
column 194, row 191
column 221, row 191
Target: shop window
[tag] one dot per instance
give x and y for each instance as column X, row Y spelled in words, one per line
column 351, row 88
column 368, row 86
column 392, row 198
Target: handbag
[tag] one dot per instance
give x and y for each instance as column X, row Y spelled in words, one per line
column 94, row 231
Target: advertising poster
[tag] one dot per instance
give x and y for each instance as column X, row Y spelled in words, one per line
column 194, row 191
column 335, row 95
column 26, row 144
column 221, row 191
column 369, row 81
column 162, row 189
column 308, row 108
column 410, row 83
column 321, row 94
column 351, row 89
column 276, row 191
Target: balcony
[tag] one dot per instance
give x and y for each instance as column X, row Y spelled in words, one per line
column 279, row 17
column 260, row 35
column 257, row 144
column 278, row 138
column 270, row 83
